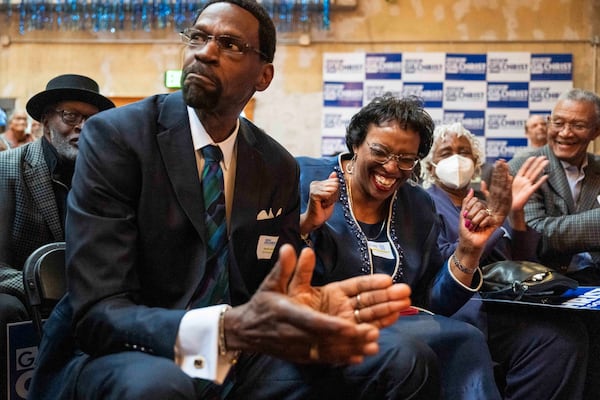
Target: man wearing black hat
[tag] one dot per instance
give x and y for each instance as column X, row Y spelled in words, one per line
column 34, row 182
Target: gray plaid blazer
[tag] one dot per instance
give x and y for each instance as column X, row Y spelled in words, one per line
column 29, row 216
column 566, row 228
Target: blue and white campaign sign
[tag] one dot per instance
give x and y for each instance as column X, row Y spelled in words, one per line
column 473, row 120
column 505, row 122
column 423, row 67
column 343, row 94
column 432, row 93
column 581, row 298
column 332, row 145
column 551, row 67
column 465, row 95
column 466, row 67
column 543, row 95
column 504, row 148
column 342, row 67
column 543, row 113
column 492, row 93
column 336, row 120
column 436, row 114
column 383, row 66
column 508, row 67
column 22, row 349
column 508, row 94
column 376, row 88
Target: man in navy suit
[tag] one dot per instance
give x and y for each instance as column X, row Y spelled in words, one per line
column 34, row 181
column 137, row 254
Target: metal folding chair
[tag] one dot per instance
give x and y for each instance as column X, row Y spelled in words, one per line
column 44, row 278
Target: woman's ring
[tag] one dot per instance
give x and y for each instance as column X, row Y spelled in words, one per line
column 314, row 352
column 357, row 315
column 358, row 303
column 489, row 212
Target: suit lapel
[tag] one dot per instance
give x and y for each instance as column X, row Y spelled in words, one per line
column 36, row 176
column 589, row 192
column 177, row 150
column 249, row 170
column 557, row 180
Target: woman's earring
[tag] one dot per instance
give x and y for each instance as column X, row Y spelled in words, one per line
column 414, row 179
column 350, row 165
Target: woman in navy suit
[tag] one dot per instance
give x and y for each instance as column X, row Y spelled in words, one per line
column 362, row 214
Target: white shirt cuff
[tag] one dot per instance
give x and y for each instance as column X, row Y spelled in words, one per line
column 197, row 345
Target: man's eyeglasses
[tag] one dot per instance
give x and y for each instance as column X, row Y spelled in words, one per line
column 405, row 162
column 228, row 44
column 575, row 127
column 72, row 118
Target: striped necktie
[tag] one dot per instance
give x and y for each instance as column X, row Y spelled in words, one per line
column 215, row 284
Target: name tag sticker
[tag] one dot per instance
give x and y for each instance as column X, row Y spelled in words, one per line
column 266, row 246
column 382, row 249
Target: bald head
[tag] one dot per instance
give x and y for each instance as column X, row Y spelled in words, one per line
column 536, row 130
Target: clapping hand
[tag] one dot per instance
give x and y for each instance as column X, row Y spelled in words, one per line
column 335, row 323
column 479, row 219
column 527, row 180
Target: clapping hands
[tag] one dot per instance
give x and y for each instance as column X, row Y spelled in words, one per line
column 291, row 319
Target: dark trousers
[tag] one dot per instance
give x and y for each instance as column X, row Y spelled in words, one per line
column 420, row 357
column 541, row 353
column 401, row 370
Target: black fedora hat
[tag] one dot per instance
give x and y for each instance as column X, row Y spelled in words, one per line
column 64, row 88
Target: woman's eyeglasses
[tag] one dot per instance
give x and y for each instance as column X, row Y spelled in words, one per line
column 405, row 162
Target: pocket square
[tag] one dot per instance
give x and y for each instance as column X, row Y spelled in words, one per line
column 264, row 214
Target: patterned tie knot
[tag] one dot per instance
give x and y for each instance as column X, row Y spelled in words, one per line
column 212, row 153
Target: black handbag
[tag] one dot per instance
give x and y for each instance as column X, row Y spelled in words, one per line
column 523, row 280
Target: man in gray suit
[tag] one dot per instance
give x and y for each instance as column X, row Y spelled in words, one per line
column 566, row 209
column 34, row 182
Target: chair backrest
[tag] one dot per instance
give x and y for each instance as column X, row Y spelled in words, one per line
column 44, row 278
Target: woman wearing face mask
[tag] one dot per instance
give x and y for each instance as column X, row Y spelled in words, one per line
column 524, row 345
column 452, row 163
column 363, row 214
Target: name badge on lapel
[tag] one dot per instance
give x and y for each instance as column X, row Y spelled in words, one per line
column 266, row 246
column 381, row 249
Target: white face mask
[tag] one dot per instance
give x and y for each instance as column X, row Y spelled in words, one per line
column 455, row 171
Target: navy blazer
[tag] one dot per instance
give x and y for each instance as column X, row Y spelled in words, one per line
column 136, row 238
column 566, row 228
column 416, row 227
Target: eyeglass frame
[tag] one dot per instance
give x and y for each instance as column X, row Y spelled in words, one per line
column 244, row 46
column 80, row 117
column 577, row 127
column 391, row 156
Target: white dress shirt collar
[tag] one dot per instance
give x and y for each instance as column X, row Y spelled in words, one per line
column 201, row 138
